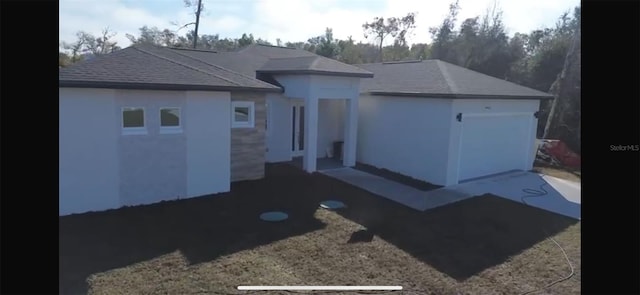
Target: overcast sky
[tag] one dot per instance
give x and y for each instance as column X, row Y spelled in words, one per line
column 291, row 20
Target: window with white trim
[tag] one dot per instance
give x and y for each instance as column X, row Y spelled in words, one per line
column 170, row 120
column 133, row 120
column 242, row 114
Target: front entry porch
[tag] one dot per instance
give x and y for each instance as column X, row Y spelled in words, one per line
column 313, row 114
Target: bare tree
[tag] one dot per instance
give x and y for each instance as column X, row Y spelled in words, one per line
column 199, row 7
column 381, row 29
column 88, row 43
column 558, row 88
column 406, row 25
column 396, row 27
column 102, row 44
column 444, row 34
column 155, row 36
column 76, row 47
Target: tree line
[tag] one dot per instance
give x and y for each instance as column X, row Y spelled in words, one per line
column 546, row 59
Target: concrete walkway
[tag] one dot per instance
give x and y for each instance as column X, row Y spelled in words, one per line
column 559, row 195
column 403, row 194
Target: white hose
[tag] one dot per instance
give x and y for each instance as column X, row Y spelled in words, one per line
column 539, row 193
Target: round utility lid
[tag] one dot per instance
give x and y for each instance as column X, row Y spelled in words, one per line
column 274, row 216
column 332, row 205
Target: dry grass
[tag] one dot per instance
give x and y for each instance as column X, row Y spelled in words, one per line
column 210, row 245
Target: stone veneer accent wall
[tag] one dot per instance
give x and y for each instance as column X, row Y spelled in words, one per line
column 248, row 145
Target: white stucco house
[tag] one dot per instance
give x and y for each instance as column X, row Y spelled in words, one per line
column 445, row 124
column 147, row 124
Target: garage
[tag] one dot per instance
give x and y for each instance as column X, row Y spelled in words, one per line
column 445, row 124
column 494, row 143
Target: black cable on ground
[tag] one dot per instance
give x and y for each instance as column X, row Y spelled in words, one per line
column 533, row 193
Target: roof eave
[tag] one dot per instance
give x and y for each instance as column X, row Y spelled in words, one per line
column 312, row 72
column 458, row 96
column 160, row 86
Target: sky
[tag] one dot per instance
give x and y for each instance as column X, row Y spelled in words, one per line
column 291, row 20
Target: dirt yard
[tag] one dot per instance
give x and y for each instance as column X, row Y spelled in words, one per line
column 210, row 245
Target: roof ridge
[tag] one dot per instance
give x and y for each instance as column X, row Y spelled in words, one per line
column 401, row 62
column 453, row 88
column 315, row 61
column 186, row 66
column 276, row 46
column 292, row 57
column 192, row 49
column 222, row 68
column 254, row 45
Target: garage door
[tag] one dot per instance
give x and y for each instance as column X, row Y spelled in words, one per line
column 495, row 143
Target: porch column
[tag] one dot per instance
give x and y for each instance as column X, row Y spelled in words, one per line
column 350, row 132
column 310, row 133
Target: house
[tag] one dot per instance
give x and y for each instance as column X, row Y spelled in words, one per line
column 445, row 124
column 318, row 104
column 146, row 124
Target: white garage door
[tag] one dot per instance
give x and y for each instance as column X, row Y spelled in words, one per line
column 494, row 143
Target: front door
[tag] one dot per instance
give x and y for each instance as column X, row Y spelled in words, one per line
column 297, row 134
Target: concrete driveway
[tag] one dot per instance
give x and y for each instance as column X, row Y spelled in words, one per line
column 542, row 191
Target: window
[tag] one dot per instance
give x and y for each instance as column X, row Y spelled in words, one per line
column 170, row 120
column 242, row 114
column 133, row 120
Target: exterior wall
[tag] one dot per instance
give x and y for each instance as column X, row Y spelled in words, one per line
column 88, row 158
column 278, row 128
column 330, row 87
column 102, row 168
column 495, row 105
column 388, row 126
column 319, row 86
column 208, row 131
column 330, row 124
column 484, row 107
column 295, row 86
column 248, row 145
column 406, row 135
column 153, row 166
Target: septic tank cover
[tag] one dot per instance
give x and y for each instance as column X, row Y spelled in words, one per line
column 274, row 216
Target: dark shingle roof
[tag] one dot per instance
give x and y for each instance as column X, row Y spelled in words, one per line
column 241, row 63
column 151, row 67
column 246, row 60
column 270, row 51
column 435, row 78
column 273, row 59
column 312, row 65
